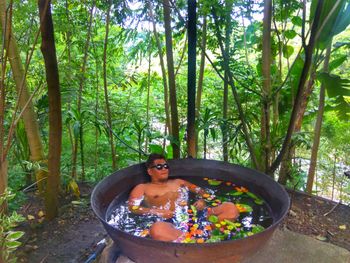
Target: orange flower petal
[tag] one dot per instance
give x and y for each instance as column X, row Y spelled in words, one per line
column 208, row 228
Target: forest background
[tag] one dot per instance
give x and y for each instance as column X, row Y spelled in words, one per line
column 102, row 83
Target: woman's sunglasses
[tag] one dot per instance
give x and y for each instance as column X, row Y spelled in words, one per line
column 160, row 166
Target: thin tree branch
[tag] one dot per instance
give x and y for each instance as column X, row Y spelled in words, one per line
column 123, row 142
column 172, row 5
column 15, row 122
column 235, row 95
column 288, row 74
column 182, row 55
column 303, row 25
column 222, row 77
column 10, row 134
column 301, row 88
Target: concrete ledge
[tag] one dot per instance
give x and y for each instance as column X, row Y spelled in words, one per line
column 284, row 246
column 291, row 247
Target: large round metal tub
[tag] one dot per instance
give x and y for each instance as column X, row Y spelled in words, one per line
column 145, row 250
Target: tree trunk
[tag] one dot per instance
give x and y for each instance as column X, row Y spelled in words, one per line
column 48, row 50
column 80, row 94
column 334, row 174
column 3, row 58
column 224, row 124
column 69, row 77
column 286, row 167
column 301, row 89
column 164, row 75
column 286, row 164
column 3, row 182
column 247, row 136
column 108, row 110
column 171, row 79
column 318, row 125
column 266, row 90
column 148, row 94
column 205, row 146
column 191, row 79
column 276, row 99
column 29, row 115
column 244, row 38
column 201, row 74
column 228, row 31
column 97, row 105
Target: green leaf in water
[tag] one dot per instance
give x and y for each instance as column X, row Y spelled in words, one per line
column 214, row 182
column 194, row 209
column 213, row 239
column 247, row 208
column 257, row 229
column 230, row 223
column 235, row 193
column 238, row 235
column 213, row 219
column 258, row 201
column 250, row 194
column 222, row 198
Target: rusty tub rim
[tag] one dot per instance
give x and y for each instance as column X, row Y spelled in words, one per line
column 175, row 244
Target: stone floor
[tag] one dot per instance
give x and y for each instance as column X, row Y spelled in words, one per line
column 284, row 246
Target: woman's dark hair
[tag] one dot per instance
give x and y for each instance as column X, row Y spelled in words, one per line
column 152, row 157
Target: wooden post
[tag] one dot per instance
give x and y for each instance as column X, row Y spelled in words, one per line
column 191, row 79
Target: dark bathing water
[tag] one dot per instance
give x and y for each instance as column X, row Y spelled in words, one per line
column 254, row 214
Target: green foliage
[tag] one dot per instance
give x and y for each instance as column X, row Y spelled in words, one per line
column 288, row 51
column 296, row 20
column 290, row 34
column 155, row 148
column 335, row 85
column 8, row 237
column 334, row 18
column 337, row 62
column 130, row 42
column 297, row 179
column 339, row 89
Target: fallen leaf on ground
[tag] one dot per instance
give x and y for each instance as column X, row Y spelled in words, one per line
column 292, row 213
column 321, row 238
column 342, row 227
column 30, row 217
column 41, row 213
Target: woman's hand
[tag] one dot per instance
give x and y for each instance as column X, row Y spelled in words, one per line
column 200, row 204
